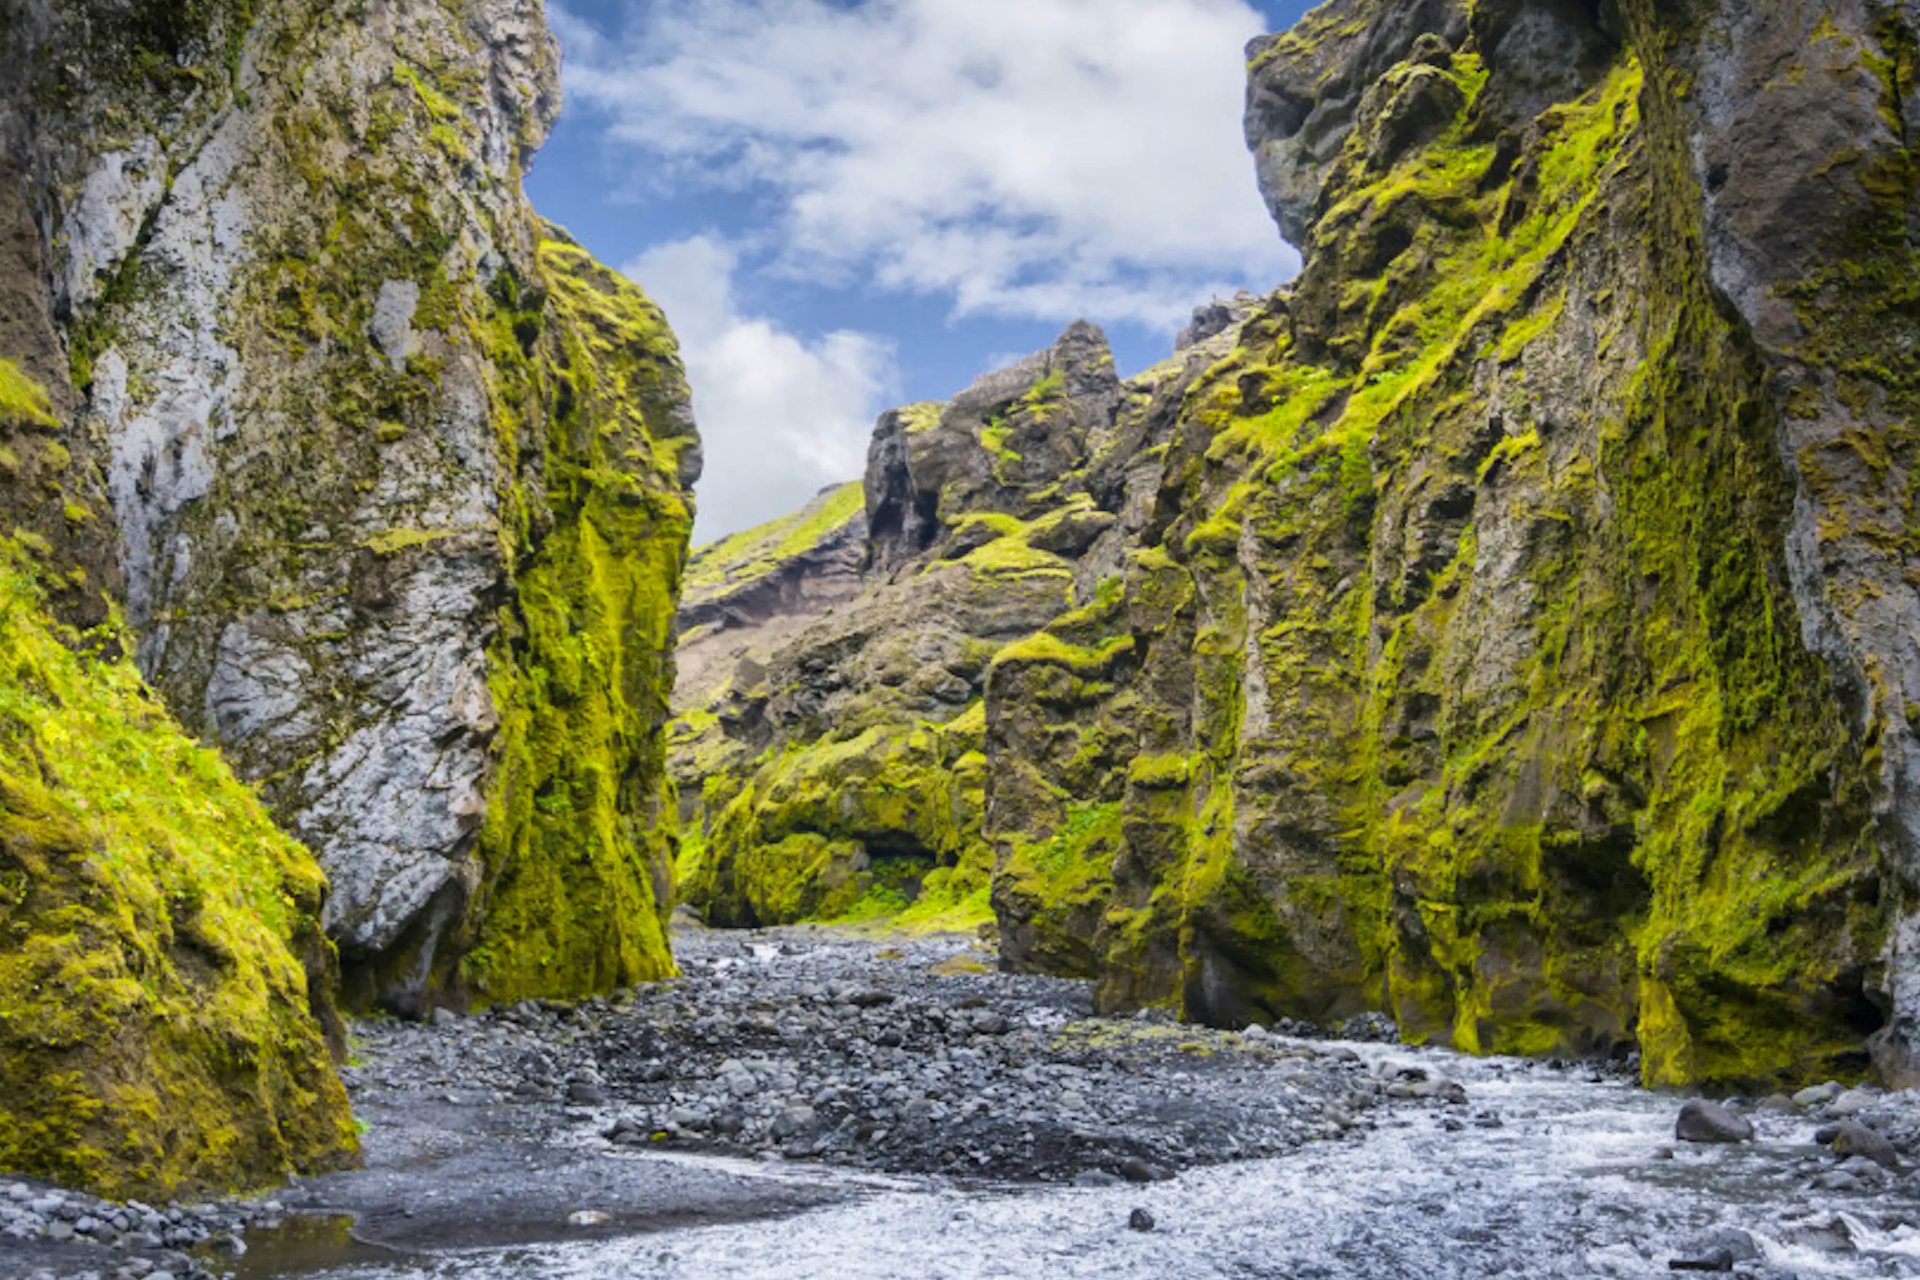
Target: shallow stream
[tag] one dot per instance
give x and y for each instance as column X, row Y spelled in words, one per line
column 1580, row 1178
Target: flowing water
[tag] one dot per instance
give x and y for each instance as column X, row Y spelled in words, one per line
column 1577, row 1180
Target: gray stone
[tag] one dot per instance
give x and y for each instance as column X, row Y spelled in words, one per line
column 1815, row 1095
column 1709, row 1122
column 1851, row 1138
column 1851, row 1103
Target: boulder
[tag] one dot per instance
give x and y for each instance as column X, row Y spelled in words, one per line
column 1851, row 1138
column 1709, row 1122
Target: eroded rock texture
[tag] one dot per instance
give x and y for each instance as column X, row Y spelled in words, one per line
column 832, row 764
column 393, row 473
column 1508, row 626
column 1468, row 672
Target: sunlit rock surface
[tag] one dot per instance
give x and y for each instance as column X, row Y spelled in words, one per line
column 394, row 475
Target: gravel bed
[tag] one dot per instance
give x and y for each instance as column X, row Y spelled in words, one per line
column 900, row 1057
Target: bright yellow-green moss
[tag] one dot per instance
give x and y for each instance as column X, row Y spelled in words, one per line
column 745, row 556
column 881, row 824
column 922, row 417
column 580, row 835
column 23, row 400
column 155, row 1030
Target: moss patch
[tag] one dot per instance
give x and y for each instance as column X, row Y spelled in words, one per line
column 157, row 1024
column 580, row 833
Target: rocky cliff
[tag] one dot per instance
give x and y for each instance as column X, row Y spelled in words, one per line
column 1508, row 625
column 384, row 484
column 393, row 474
column 833, row 767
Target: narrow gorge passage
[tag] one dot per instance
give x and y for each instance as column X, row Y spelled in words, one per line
column 812, row 1103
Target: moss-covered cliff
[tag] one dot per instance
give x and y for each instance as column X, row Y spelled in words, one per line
column 164, row 985
column 1508, row 625
column 1467, row 675
column 830, row 759
column 395, row 477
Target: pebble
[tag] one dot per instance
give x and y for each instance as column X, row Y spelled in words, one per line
column 1140, row 1220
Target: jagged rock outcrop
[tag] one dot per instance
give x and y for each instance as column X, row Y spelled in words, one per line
column 394, row 474
column 1477, row 666
column 835, row 768
column 1508, row 626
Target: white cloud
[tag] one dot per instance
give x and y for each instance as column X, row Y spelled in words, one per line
column 779, row 416
column 1040, row 159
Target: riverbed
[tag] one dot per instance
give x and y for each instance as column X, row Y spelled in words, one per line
column 809, row 1104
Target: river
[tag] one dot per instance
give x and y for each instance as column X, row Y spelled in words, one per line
column 1581, row 1177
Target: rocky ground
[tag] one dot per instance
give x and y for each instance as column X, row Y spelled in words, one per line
column 786, row 1070
column 916, row 1057
column 795, row 1069
column 904, row 1057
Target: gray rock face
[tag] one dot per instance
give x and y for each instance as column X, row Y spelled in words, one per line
column 994, row 449
column 1306, row 86
column 1213, row 318
column 283, row 282
column 1709, row 1122
column 1539, row 52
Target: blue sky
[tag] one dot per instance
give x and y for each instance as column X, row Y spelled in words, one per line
column 845, row 205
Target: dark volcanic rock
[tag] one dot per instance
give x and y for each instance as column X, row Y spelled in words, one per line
column 1704, row 1121
column 1851, row 1138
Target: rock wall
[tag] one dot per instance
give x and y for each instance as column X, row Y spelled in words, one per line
column 832, row 767
column 1505, row 626
column 395, row 477
column 1474, row 670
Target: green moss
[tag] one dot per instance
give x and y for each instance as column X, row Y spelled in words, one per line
column 22, row 400
column 755, row 552
column 1046, row 647
column 921, row 418
column 390, row 542
column 579, row 837
column 835, row 829
column 155, row 1030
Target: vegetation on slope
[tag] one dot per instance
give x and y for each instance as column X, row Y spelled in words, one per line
column 158, row 1030
column 752, row 553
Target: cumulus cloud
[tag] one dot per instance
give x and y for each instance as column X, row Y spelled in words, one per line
column 1038, row 159
column 780, row 416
